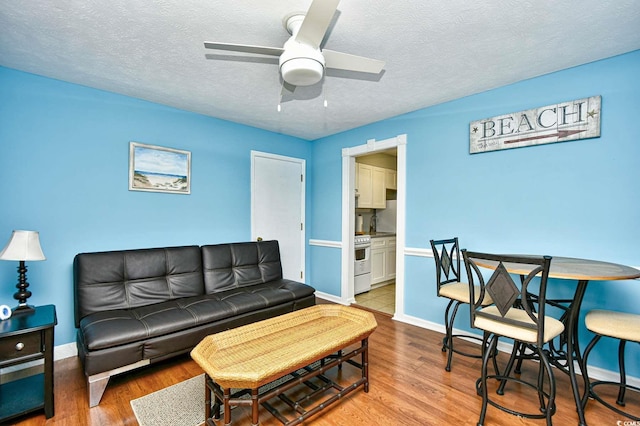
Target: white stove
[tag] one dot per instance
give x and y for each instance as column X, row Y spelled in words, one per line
column 362, row 240
column 362, row 264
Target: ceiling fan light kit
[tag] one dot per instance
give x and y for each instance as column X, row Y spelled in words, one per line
column 302, row 71
column 300, row 64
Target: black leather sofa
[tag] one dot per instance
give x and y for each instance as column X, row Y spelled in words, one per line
column 136, row 307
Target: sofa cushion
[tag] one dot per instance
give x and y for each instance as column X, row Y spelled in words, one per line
column 126, row 279
column 119, row 327
column 235, row 265
column 261, row 296
column 169, row 345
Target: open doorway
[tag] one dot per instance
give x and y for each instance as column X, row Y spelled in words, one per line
column 387, row 270
column 376, row 219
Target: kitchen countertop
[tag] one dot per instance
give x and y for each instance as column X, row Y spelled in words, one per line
column 381, row 234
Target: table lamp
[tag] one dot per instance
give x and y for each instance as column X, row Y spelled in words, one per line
column 23, row 246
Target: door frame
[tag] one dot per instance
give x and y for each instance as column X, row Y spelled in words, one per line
column 303, row 168
column 348, row 213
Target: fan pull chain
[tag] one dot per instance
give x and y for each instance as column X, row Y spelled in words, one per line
column 280, row 96
column 324, row 94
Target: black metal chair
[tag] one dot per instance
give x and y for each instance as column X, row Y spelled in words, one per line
column 512, row 315
column 447, row 256
column 618, row 325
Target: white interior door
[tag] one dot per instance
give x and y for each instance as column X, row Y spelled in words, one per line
column 277, row 207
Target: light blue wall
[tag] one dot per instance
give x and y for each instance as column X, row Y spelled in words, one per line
column 64, row 160
column 64, row 152
column 579, row 199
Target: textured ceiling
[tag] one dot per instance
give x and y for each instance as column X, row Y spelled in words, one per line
column 435, row 51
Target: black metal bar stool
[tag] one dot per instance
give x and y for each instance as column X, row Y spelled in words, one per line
column 520, row 322
column 447, row 256
column 618, row 325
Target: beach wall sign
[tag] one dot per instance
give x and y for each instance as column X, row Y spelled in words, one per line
column 566, row 121
column 158, row 169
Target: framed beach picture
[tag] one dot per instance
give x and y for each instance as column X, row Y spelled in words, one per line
column 159, row 169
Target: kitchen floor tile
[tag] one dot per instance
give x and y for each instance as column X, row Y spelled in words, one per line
column 380, row 299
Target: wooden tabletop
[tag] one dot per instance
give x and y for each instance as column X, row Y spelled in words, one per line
column 570, row 268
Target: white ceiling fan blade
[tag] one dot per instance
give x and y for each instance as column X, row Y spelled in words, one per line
column 245, row 48
column 316, row 22
column 346, row 61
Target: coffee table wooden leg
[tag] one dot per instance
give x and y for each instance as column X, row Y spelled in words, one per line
column 226, row 407
column 365, row 364
column 207, row 399
column 211, row 390
column 254, row 407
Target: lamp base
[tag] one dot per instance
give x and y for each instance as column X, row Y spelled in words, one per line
column 22, row 294
column 23, row 309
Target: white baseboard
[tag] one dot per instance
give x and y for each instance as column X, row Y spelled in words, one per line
column 332, row 298
column 65, row 351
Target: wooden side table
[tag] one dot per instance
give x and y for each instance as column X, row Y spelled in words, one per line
column 28, row 337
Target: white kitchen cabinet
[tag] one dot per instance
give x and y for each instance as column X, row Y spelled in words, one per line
column 378, row 265
column 383, row 259
column 371, row 186
column 379, row 191
column 364, row 182
column 390, row 179
column 391, row 258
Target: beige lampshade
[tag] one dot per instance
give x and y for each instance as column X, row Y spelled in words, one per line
column 23, row 245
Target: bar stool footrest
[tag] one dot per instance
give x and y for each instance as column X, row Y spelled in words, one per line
column 458, row 351
column 541, row 415
column 597, row 397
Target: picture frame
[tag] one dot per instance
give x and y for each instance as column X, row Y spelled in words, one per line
column 155, row 168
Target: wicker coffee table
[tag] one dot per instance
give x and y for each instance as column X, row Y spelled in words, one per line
column 297, row 347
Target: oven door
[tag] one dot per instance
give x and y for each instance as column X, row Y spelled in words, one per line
column 361, row 253
column 362, row 264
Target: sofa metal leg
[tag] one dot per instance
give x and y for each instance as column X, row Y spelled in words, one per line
column 97, row 383
column 95, row 387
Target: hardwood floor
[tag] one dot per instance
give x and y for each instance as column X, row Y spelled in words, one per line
column 408, row 386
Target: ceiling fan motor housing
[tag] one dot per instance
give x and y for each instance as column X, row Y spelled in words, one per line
column 301, row 64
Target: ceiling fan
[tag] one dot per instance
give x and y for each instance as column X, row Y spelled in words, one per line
column 301, row 60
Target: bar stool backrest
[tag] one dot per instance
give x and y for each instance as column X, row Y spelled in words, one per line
column 447, row 256
column 508, row 294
